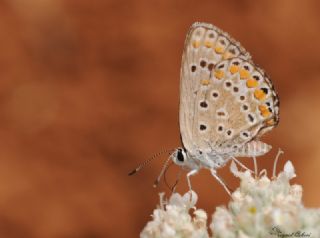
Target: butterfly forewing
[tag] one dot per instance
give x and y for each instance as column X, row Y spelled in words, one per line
column 226, row 100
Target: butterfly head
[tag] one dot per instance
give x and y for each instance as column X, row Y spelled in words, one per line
column 181, row 157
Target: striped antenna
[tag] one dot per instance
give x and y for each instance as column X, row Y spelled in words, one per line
column 148, row 161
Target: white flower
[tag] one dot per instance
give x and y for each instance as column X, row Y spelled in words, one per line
column 260, row 207
column 289, row 170
column 172, row 218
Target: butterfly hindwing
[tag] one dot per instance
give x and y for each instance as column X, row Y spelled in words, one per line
column 245, row 108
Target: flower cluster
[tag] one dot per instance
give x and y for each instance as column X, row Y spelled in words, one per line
column 260, row 207
column 172, row 218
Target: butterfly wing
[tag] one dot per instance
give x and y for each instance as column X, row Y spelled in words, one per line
column 225, row 100
column 249, row 101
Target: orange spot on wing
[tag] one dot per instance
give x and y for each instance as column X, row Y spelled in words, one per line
column 205, row 82
column 252, row 83
column 208, row 44
column 270, row 122
column 259, row 94
column 244, row 74
column 266, row 113
column 227, row 55
column 219, row 50
column 219, row 74
column 262, row 108
column 196, row 44
column 234, row 69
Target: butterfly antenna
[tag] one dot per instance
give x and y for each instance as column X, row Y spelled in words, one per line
column 148, row 161
column 164, row 168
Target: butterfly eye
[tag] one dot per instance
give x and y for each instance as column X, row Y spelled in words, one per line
column 180, row 156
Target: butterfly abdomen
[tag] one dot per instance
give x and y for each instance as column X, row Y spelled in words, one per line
column 253, row 148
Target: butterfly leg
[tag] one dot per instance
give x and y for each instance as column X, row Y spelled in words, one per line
column 214, row 174
column 191, row 173
column 241, row 164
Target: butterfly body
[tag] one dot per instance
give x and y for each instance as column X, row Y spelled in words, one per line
column 214, row 160
column 199, row 159
column 226, row 101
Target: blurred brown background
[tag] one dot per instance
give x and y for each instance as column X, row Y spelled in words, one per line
column 88, row 89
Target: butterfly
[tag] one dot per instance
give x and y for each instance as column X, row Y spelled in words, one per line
column 226, row 102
